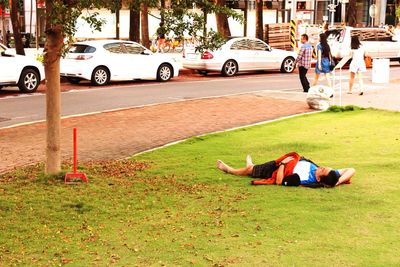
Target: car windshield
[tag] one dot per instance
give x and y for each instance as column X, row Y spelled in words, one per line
column 334, row 35
column 82, row 49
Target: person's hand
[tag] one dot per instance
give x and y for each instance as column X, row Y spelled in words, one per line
column 287, row 160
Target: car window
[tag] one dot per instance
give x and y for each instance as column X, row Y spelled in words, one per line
column 364, row 35
column 115, row 48
column 382, row 35
column 240, row 45
column 134, row 48
column 81, row 49
column 259, row 45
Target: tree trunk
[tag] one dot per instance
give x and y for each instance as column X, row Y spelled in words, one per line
column 222, row 20
column 259, row 20
column 162, row 3
column 246, row 9
column 3, row 23
column 145, row 26
column 52, row 52
column 134, row 25
column 352, row 14
column 19, row 46
column 117, row 19
column 204, row 22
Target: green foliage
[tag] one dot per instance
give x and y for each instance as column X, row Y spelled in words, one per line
column 179, row 210
column 213, row 41
column 344, row 108
column 181, row 20
column 398, row 12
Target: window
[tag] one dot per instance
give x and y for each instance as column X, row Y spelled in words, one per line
column 258, row 45
column 114, row 48
column 133, row 48
column 82, row 49
column 240, row 45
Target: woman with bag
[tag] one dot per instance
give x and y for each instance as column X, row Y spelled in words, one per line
column 357, row 65
column 324, row 60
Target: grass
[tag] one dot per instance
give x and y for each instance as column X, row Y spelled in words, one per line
column 172, row 207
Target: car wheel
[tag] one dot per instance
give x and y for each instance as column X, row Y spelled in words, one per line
column 100, row 76
column 73, row 80
column 29, row 81
column 164, row 73
column 288, row 65
column 230, row 68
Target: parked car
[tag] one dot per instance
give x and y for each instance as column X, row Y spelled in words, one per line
column 25, row 72
column 378, row 42
column 102, row 61
column 240, row 54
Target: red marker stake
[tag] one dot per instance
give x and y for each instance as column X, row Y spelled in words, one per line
column 70, row 177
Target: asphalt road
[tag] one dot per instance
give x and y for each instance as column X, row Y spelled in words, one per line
column 29, row 108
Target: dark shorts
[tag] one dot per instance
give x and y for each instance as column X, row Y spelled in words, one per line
column 264, row 170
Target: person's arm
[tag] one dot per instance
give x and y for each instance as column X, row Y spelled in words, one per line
column 280, row 174
column 281, row 170
column 319, row 55
column 345, row 175
column 300, row 56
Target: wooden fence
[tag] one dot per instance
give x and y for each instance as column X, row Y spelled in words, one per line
column 278, row 35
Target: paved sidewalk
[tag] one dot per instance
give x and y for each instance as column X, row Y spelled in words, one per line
column 119, row 134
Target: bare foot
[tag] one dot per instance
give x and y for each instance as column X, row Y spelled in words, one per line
column 222, row 166
column 249, row 161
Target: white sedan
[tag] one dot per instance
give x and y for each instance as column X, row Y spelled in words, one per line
column 18, row 70
column 102, row 61
column 240, row 54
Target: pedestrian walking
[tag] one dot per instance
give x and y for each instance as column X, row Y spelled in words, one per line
column 357, row 65
column 324, row 59
column 161, row 31
column 8, row 39
column 1, row 37
column 303, row 61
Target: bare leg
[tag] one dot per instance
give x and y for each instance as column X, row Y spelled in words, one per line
column 351, row 82
column 315, row 82
column 249, row 161
column 361, row 82
column 329, row 79
column 239, row 172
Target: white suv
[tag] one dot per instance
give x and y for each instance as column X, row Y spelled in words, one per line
column 378, row 43
column 25, row 72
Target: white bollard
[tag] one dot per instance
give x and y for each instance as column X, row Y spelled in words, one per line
column 380, row 70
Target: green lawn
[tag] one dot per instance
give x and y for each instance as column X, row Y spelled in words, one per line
column 173, row 207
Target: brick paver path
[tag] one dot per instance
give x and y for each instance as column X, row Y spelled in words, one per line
column 119, row 134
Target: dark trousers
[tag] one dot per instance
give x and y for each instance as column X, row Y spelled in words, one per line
column 303, row 78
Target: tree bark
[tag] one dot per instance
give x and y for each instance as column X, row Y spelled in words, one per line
column 246, row 13
column 19, row 46
column 3, row 23
column 145, row 26
column 52, row 54
column 222, row 20
column 352, row 14
column 117, row 20
column 259, row 20
column 134, row 25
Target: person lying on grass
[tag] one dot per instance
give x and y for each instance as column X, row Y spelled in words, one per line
column 291, row 170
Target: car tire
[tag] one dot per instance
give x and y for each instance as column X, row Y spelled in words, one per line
column 164, row 73
column 29, row 81
column 230, row 68
column 73, row 80
column 100, row 76
column 288, row 65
